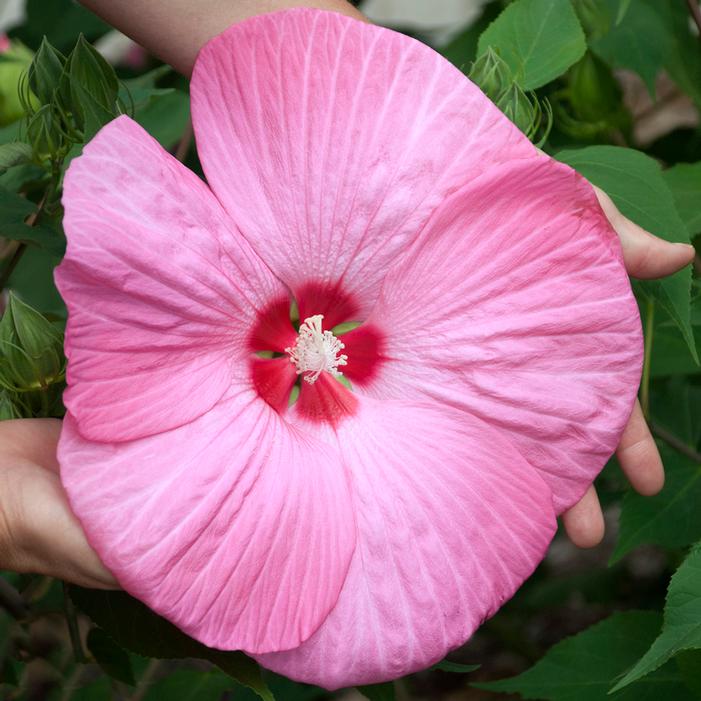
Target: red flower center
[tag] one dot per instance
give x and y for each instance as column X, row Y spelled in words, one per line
column 286, row 354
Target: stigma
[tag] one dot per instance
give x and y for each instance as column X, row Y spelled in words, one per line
column 316, row 351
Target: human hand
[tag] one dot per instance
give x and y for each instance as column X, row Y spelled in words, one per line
column 645, row 256
column 38, row 531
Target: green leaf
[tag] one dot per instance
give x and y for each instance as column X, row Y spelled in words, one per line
column 684, row 182
column 378, row 692
column 60, row 21
column 189, row 685
column 682, row 621
column 583, row 667
column 135, row 627
column 14, row 153
column 539, row 39
column 670, row 518
column 456, row 667
column 630, row 44
column 112, row 658
column 165, row 116
column 670, row 352
column 683, row 60
column 634, row 182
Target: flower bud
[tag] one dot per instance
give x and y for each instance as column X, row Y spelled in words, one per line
column 593, row 91
column 31, row 349
column 44, row 132
column 491, row 74
column 516, row 105
column 44, row 74
column 94, row 86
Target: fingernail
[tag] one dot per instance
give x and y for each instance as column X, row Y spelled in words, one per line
column 687, row 247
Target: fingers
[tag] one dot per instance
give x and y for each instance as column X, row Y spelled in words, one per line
column 584, row 522
column 38, row 531
column 646, row 256
column 639, row 457
column 54, row 542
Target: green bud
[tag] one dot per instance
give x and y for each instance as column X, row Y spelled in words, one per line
column 94, row 85
column 45, row 72
column 13, row 63
column 593, row 90
column 491, row 74
column 518, row 107
column 31, row 349
column 44, row 132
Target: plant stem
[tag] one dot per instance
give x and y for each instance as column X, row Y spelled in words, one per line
column 72, row 621
column 673, row 442
column 645, row 381
column 184, row 144
column 22, row 247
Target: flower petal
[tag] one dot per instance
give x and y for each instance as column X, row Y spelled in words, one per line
column 330, row 141
column 236, row 527
column 451, row 520
column 161, row 289
column 515, row 306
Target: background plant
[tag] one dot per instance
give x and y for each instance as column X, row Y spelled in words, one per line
column 611, row 87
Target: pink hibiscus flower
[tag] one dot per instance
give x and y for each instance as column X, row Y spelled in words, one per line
column 357, row 535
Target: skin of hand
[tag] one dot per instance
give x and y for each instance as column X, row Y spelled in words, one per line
column 38, row 531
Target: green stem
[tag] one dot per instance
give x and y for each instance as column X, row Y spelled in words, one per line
column 22, row 247
column 674, row 442
column 645, row 382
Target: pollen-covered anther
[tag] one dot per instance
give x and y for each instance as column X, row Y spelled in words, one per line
column 316, row 351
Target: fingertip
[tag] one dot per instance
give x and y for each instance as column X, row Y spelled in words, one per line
column 638, row 455
column 584, row 522
column 651, row 480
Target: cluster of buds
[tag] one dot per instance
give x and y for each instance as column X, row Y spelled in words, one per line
column 67, row 99
column 531, row 115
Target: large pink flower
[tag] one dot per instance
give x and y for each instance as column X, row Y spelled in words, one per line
column 358, row 535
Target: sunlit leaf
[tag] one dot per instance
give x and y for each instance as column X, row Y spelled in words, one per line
column 583, row 667
column 539, row 39
column 682, row 621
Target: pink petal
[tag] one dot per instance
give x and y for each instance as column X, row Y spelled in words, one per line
column 515, row 306
column 330, row 141
column 451, row 520
column 161, row 289
column 236, row 527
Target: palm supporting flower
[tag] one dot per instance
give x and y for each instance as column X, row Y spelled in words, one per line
column 356, row 535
